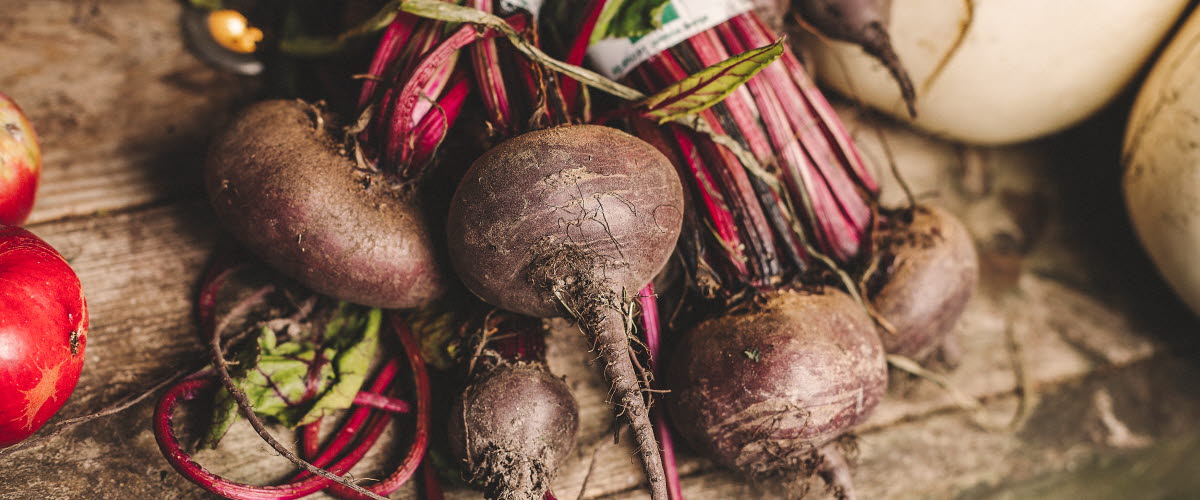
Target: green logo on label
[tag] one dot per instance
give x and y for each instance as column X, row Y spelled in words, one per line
column 668, row 14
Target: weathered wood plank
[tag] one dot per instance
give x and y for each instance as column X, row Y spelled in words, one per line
column 943, row 457
column 121, row 107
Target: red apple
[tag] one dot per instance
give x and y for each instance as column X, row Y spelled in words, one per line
column 43, row 331
column 20, row 163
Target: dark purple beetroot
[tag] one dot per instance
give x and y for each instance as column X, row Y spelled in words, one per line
column 762, row 391
column 863, row 23
column 572, row 221
column 928, row 272
column 279, row 183
column 513, row 427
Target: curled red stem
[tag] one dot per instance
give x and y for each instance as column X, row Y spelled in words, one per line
column 420, row 440
column 381, row 402
column 310, row 437
column 190, row 388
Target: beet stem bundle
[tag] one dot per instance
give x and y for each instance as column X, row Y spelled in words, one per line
column 764, row 225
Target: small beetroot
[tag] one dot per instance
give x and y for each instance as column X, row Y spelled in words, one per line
column 928, row 270
column 515, row 422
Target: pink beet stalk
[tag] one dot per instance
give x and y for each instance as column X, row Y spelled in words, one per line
column 782, row 119
column 485, row 60
column 420, row 440
column 168, row 443
column 433, row 127
column 381, row 402
column 394, row 38
column 650, row 321
column 350, row 429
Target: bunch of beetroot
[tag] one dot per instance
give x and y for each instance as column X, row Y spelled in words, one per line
column 799, row 281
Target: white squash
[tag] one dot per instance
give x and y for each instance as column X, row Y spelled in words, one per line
column 1023, row 68
column 1162, row 163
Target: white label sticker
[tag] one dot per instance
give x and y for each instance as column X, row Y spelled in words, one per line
column 513, row 6
column 682, row 19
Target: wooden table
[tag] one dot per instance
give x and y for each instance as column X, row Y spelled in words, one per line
column 1107, row 380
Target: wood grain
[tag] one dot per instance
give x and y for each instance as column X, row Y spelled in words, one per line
column 121, row 107
column 124, row 113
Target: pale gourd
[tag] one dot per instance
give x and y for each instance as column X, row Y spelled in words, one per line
column 1021, row 69
column 1162, row 163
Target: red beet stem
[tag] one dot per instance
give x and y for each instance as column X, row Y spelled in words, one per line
column 784, row 121
column 400, row 143
column 570, row 87
column 168, row 443
column 692, row 166
column 733, row 180
column 816, row 100
column 420, row 439
column 394, row 38
column 433, row 127
column 305, row 483
column 485, row 59
column 310, row 439
column 381, row 402
column 433, row 487
column 650, row 321
column 222, row 265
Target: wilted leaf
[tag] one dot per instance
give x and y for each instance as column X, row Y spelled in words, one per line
column 435, row 327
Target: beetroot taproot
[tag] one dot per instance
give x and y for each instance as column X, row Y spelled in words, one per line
column 280, row 184
column 863, row 23
column 762, row 390
column 573, row 221
column 927, row 273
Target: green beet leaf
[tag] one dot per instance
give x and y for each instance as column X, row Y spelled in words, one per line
column 710, row 85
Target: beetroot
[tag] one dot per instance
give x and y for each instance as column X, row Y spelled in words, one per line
column 279, row 183
column 43, row 333
column 863, row 23
column 763, row 389
column 572, row 221
column 928, row 269
column 512, row 427
column 515, row 422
